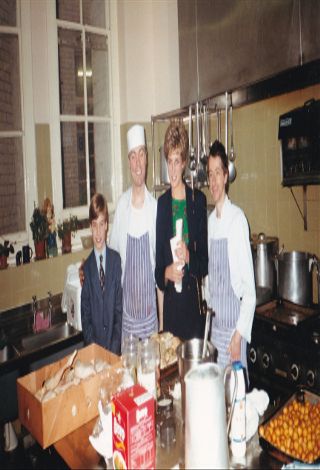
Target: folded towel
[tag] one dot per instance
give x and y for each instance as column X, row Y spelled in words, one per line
column 257, row 402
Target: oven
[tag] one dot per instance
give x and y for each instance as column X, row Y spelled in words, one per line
column 285, row 349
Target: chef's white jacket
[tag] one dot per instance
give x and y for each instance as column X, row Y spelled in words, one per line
column 233, row 226
column 124, row 224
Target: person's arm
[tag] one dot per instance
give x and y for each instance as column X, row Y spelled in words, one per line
column 86, row 314
column 117, row 324
column 198, row 254
column 242, row 251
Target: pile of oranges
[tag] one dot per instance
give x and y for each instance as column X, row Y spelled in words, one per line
column 295, row 430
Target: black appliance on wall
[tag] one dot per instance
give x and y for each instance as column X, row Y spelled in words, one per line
column 299, row 132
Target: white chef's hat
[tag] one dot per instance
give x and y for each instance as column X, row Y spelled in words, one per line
column 135, row 137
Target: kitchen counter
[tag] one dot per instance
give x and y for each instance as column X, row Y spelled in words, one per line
column 77, row 452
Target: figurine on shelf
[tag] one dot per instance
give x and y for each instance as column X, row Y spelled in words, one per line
column 48, row 210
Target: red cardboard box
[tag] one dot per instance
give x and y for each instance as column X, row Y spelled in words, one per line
column 133, row 427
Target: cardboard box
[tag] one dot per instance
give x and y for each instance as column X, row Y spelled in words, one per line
column 51, row 420
column 133, row 429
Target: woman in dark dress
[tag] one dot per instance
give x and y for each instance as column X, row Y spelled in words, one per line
column 181, row 310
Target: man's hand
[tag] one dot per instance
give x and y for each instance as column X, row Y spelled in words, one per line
column 235, row 347
column 81, row 273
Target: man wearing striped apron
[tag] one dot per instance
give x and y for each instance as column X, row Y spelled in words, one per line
column 133, row 236
column 231, row 288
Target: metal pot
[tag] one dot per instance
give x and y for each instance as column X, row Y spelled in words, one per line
column 264, row 252
column 295, row 277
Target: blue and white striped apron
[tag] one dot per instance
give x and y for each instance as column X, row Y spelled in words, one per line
column 139, row 292
column 223, row 301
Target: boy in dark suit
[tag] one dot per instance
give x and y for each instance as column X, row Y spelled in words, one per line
column 101, row 296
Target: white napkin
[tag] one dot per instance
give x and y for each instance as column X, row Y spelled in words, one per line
column 173, row 243
column 257, row 402
column 102, row 442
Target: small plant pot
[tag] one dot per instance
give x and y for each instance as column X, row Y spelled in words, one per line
column 40, row 249
column 66, row 243
column 3, row 262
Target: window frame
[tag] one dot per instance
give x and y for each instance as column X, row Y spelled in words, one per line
column 27, row 133
column 56, row 118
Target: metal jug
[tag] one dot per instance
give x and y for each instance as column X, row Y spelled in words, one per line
column 189, row 355
column 206, row 428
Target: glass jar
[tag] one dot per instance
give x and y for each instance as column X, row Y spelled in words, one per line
column 166, row 426
column 129, row 351
column 148, row 365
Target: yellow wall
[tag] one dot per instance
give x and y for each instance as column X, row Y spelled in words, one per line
column 269, row 207
column 19, row 284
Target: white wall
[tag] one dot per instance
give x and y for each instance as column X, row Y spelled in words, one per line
column 148, row 58
column 40, row 60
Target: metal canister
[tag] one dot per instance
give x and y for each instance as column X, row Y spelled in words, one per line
column 264, row 252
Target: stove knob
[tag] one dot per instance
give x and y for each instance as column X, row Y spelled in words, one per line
column 310, row 378
column 266, row 360
column 294, row 371
column 253, row 355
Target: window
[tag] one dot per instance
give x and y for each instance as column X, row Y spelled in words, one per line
column 85, row 111
column 16, row 147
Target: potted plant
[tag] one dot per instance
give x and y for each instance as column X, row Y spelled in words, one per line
column 5, row 249
column 39, row 228
column 65, row 229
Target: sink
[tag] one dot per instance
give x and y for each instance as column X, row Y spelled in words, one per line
column 7, row 353
column 45, row 338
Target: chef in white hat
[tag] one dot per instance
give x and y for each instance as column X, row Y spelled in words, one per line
column 133, row 236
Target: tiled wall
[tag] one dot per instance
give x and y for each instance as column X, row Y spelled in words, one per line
column 19, row 284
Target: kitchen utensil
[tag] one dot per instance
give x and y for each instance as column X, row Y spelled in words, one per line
column 189, row 355
column 206, row 429
column 206, row 329
column 232, row 171
column 295, row 277
column 264, row 252
column 192, row 160
column 232, row 154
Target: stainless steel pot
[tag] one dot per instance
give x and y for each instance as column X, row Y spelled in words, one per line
column 295, row 277
column 264, row 252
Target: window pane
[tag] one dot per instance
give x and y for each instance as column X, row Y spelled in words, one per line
column 71, row 72
column 73, row 164
column 8, row 12
column 97, row 75
column 94, row 13
column 12, row 202
column 100, row 157
column 10, row 109
column 68, row 10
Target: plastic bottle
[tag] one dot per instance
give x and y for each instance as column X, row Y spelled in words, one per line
column 238, row 420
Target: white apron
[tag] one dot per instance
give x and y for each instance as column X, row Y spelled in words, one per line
column 224, row 302
column 139, row 294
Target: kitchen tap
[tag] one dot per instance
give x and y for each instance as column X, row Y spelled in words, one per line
column 50, row 307
column 34, row 310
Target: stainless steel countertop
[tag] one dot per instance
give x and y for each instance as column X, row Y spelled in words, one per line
column 173, row 455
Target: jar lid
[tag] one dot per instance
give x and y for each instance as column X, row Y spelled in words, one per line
column 165, row 403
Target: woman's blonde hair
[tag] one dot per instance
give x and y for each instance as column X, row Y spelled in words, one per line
column 176, row 138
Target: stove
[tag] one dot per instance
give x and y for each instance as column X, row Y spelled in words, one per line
column 285, row 348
